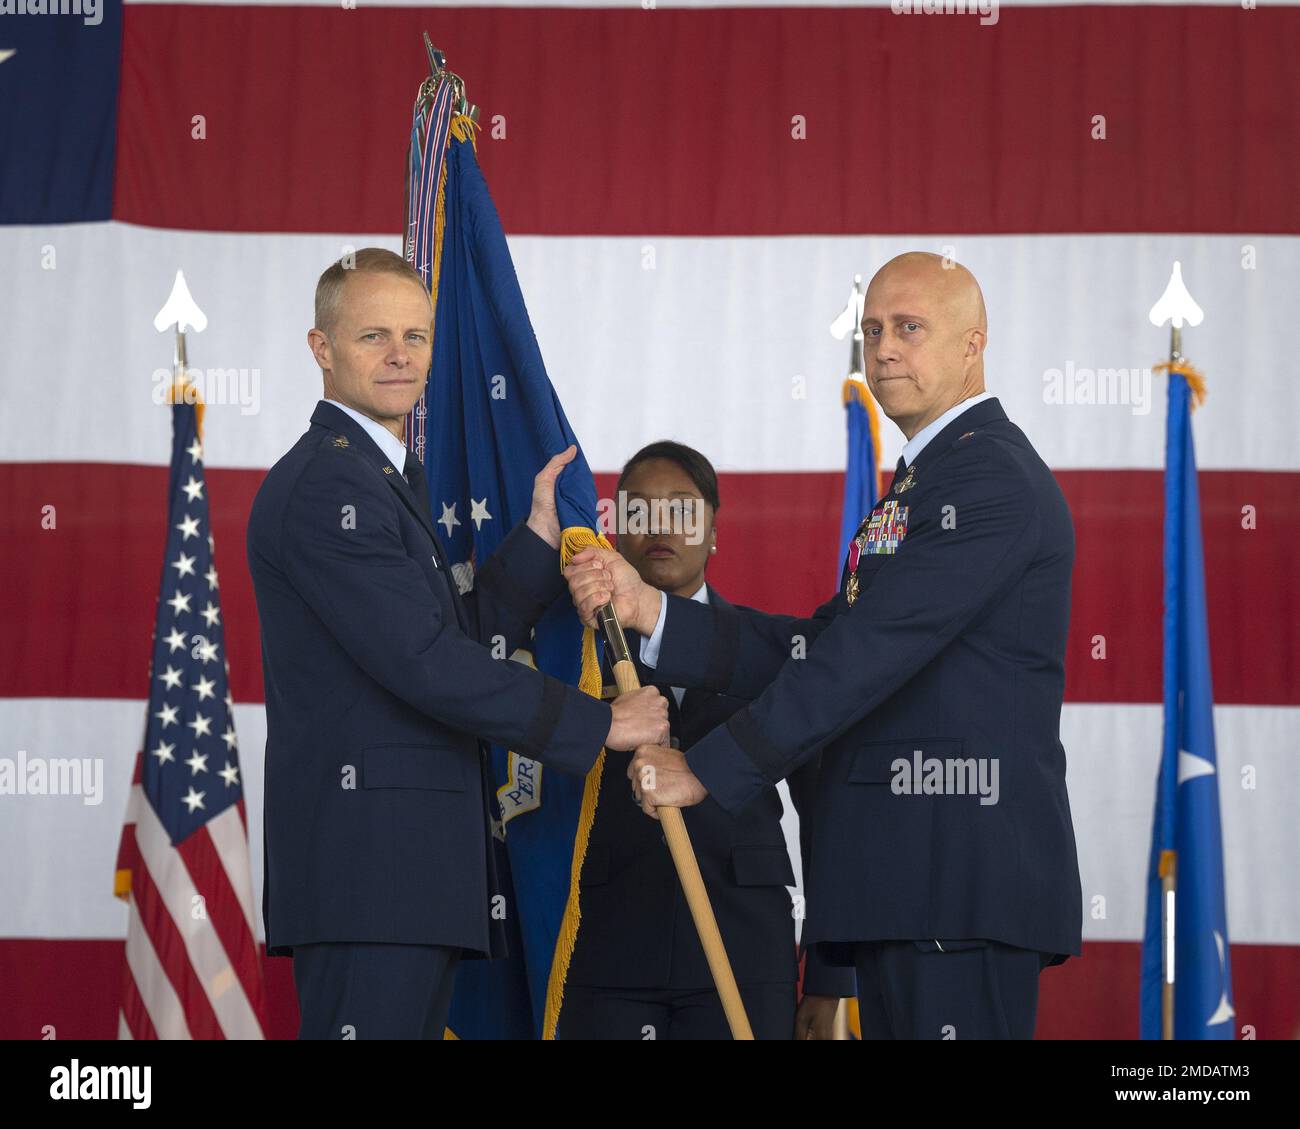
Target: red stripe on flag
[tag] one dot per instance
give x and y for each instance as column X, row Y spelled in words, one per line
column 135, row 1012
column 209, row 876
column 86, row 630
column 172, row 955
column 682, row 123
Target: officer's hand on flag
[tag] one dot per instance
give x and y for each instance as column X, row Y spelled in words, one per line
column 640, row 718
column 661, row 778
column 543, row 518
column 598, row 575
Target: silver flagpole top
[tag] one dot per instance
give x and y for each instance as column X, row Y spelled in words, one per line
column 438, row 71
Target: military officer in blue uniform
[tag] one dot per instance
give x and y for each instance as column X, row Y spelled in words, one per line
column 381, row 688
column 943, row 861
column 638, row 970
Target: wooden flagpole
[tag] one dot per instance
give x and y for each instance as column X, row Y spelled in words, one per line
column 679, row 846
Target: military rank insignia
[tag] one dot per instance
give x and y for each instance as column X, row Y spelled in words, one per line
column 881, row 533
column 340, row 440
column 905, row 483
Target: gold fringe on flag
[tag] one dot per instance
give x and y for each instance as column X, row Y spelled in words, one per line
column 857, row 390
column 1194, row 377
column 462, row 128
column 572, row 541
column 188, row 394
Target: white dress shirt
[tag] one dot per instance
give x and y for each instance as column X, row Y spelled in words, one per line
column 918, row 443
column 388, row 443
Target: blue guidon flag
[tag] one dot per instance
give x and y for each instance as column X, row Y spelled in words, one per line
column 1186, row 841
column 488, row 422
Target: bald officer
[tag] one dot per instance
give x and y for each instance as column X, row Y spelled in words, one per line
column 943, row 862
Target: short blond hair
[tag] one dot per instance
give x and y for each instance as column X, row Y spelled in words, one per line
column 369, row 260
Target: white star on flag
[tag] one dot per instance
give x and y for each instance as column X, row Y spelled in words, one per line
column 203, row 687
column 163, row 752
column 201, row 725
column 480, row 513
column 193, row 799
column 189, row 527
column 230, row 774
column 179, row 602
column 171, row 676
column 449, row 518
column 194, row 491
column 175, row 641
column 198, row 762
column 167, row 715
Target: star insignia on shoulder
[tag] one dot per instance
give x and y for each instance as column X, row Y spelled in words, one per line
column 340, row 441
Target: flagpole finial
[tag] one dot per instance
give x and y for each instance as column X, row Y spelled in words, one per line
column 437, row 72
column 180, row 310
column 850, row 319
column 1176, row 305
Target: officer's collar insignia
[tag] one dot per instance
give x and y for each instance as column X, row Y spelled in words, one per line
column 388, row 470
column 907, row 482
column 963, row 438
column 340, row 440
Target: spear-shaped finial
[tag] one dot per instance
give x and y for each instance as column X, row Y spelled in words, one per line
column 850, row 318
column 182, row 311
column 1178, row 306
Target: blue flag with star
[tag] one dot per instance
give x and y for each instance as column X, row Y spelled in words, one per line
column 1186, row 837
column 488, row 423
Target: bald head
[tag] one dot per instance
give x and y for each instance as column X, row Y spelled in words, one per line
column 925, row 326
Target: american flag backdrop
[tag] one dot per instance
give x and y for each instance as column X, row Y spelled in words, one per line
column 688, row 190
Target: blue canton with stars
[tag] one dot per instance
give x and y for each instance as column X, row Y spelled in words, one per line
column 191, row 761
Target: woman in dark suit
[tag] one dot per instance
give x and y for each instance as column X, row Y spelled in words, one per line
column 638, row 970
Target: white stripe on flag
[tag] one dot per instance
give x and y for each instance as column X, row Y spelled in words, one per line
column 207, row 956
column 231, row 843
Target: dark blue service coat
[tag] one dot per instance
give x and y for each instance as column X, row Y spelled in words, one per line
column 952, row 654
column 380, row 695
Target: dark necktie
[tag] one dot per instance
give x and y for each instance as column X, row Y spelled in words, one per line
column 414, row 472
column 899, row 471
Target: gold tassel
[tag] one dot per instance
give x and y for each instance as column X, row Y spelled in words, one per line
column 187, row 394
column 573, row 541
column 1194, row 377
